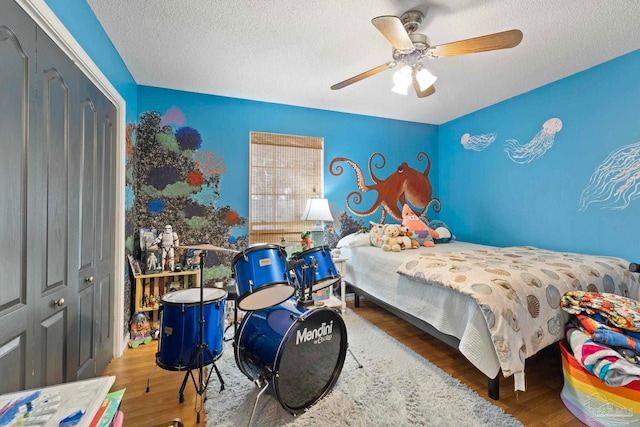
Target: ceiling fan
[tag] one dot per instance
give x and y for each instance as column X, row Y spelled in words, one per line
column 409, row 48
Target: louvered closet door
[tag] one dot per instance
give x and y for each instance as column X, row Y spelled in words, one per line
column 17, row 87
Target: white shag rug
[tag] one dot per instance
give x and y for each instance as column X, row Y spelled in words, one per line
column 395, row 387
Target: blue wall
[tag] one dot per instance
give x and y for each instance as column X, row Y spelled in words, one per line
column 78, row 18
column 225, row 123
column 493, row 200
column 487, row 198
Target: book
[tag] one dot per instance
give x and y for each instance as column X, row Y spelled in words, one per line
column 108, row 409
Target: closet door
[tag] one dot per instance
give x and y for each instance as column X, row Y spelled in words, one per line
column 54, row 214
column 105, row 242
column 86, row 267
column 17, row 88
column 97, row 212
column 57, row 215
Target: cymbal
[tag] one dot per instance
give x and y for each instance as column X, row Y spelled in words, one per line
column 208, row 247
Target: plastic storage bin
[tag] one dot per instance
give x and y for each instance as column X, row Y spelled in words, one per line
column 592, row 401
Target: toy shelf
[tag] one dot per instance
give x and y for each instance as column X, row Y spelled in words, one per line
column 157, row 284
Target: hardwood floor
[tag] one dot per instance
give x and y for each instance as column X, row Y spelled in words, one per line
column 539, row 406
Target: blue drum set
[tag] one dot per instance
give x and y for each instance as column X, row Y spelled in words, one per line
column 284, row 343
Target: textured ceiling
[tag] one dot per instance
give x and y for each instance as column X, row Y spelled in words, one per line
column 292, row 51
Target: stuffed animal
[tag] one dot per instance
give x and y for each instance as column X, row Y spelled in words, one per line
column 306, row 240
column 390, row 240
column 423, row 233
column 139, row 329
column 444, row 234
column 407, row 239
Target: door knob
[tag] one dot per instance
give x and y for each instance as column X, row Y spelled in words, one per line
column 59, row 302
column 88, row 279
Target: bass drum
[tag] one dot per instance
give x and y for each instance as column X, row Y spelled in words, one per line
column 299, row 351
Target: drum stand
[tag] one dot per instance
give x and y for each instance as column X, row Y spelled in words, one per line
column 307, row 300
column 198, row 355
column 232, row 296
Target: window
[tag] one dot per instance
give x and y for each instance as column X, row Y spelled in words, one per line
column 285, row 170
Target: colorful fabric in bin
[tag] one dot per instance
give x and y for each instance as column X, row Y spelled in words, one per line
column 613, row 337
column 592, row 401
column 620, row 311
column 604, row 362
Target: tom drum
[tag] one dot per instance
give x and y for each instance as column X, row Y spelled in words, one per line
column 262, row 277
column 326, row 273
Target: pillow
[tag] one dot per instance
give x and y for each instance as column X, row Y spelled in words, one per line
column 376, row 234
column 355, row 239
column 443, row 230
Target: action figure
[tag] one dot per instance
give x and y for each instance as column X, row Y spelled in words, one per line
column 152, row 262
column 168, row 241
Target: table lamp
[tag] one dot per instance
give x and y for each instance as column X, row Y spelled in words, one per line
column 317, row 210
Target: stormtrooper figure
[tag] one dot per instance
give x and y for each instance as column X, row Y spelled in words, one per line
column 152, row 262
column 168, row 240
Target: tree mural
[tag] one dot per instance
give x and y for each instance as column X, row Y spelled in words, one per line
column 177, row 182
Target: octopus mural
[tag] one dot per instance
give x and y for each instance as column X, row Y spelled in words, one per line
column 405, row 185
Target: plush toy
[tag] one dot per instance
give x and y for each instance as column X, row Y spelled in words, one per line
column 140, row 330
column 407, row 238
column 306, row 241
column 390, row 240
column 444, row 234
column 423, row 233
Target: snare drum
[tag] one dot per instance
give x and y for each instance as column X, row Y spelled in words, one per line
column 179, row 327
column 326, row 273
column 262, row 277
column 299, row 351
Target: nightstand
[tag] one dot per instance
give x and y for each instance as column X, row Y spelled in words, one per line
column 333, row 301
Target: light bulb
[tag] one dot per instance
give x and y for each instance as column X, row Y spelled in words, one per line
column 402, row 80
column 425, row 78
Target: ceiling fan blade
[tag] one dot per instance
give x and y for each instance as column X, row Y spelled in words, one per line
column 423, row 93
column 503, row 40
column 391, row 27
column 362, row 76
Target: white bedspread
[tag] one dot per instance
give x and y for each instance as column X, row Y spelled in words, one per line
column 374, row 271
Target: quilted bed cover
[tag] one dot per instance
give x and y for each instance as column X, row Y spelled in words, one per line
column 373, row 270
column 502, row 304
column 518, row 291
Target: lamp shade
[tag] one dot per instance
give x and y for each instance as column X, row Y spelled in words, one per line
column 402, row 80
column 317, row 210
column 425, row 78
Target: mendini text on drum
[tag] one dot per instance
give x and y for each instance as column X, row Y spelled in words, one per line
column 323, row 333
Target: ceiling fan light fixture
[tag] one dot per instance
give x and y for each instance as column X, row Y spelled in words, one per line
column 425, row 78
column 402, row 80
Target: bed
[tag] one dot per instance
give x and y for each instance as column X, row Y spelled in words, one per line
column 425, row 286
